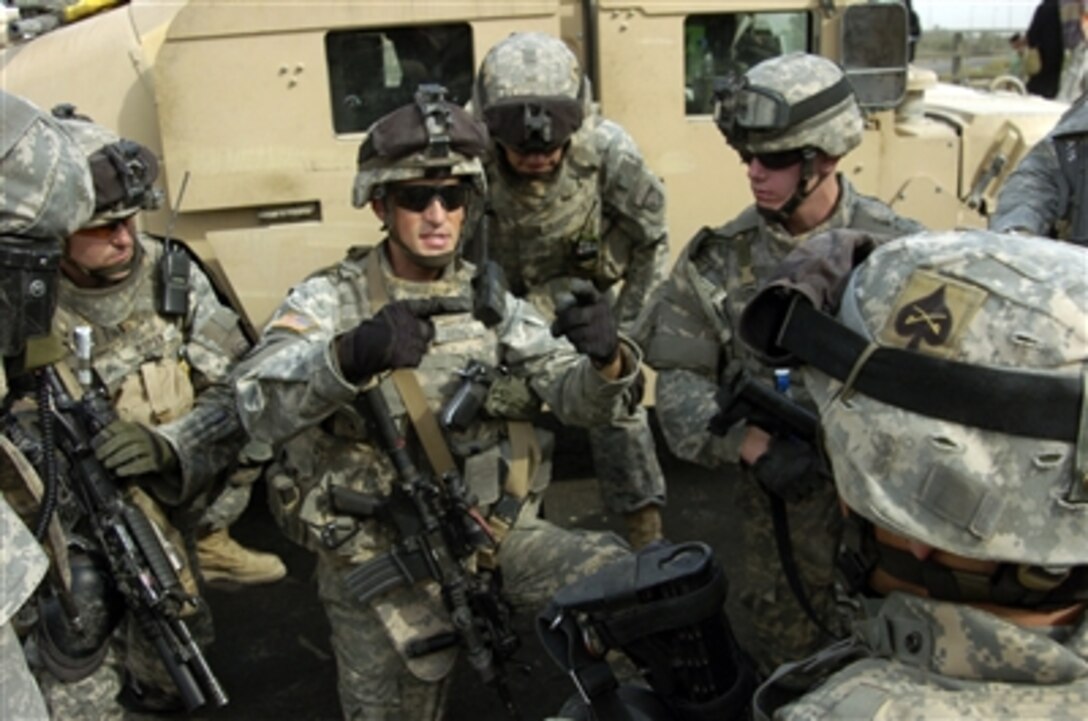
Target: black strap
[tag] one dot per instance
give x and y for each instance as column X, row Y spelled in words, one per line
column 789, row 564
column 821, row 101
column 1021, row 403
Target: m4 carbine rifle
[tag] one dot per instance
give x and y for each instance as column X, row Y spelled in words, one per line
column 439, row 532
column 139, row 564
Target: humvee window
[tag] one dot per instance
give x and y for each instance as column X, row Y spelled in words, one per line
column 374, row 71
column 717, row 46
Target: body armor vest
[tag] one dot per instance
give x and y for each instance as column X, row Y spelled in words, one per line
column 555, row 227
column 138, row 354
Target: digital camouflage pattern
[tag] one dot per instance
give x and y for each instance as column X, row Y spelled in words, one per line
column 155, row 368
column 693, row 345
column 45, row 186
column 600, row 217
column 169, row 374
column 992, row 300
column 24, row 564
column 796, row 77
column 529, row 64
column 1047, row 193
column 977, row 297
column 924, row 659
column 291, row 393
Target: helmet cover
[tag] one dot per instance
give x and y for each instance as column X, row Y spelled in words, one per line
column 980, row 298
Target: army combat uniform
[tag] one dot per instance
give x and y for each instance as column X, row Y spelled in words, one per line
column 292, row 392
column 1047, row 194
column 917, row 659
column 24, row 565
column 158, row 369
column 602, row 218
column 990, row 624
column 694, row 348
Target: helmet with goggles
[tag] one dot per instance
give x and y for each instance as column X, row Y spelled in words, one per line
column 787, row 103
column 430, row 138
column 123, row 171
column 531, row 92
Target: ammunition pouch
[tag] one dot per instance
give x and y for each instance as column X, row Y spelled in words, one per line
column 73, row 648
column 662, row 607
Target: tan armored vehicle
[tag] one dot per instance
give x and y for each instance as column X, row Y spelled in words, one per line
column 261, row 106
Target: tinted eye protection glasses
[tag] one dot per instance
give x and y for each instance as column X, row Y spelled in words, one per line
column 774, row 161
column 417, row 198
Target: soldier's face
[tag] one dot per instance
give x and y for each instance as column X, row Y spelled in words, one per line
column 425, row 223
column 772, row 187
column 533, row 164
column 95, row 249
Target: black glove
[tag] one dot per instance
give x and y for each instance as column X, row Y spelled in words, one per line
column 791, row 469
column 132, row 449
column 585, row 317
column 396, row 337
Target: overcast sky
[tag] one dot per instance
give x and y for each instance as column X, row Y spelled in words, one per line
column 975, row 14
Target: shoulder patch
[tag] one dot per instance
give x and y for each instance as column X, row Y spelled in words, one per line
column 294, row 322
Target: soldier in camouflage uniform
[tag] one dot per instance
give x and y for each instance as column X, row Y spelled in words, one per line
column 949, row 372
column 1047, row 194
column 791, row 119
column 159, row 365
column 45, row 192
column 571, row 197
column 165, row 375
column 405, row 304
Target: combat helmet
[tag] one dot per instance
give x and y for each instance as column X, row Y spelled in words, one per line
column 45, row 189
column 950, row 391
column 430, row 138
column 531, row 92
column 790, row 102
column 45, row 193
column 124, row 171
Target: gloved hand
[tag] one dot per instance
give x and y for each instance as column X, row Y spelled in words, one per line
column 132, row 449
column 585, row 317
column 791, row 469
column 396, row 337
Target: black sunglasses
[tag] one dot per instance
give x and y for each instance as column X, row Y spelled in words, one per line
column 773, row 161
column 417, row 198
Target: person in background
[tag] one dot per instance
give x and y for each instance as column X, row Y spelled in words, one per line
column 791, row 119
column 572, row 199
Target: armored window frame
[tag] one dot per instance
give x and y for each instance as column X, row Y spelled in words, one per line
column 373, row 71
column 719, row 44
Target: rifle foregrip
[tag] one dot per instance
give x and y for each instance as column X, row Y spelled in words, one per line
column 147, row 539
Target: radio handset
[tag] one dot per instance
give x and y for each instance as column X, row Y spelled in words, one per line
column 175, row 266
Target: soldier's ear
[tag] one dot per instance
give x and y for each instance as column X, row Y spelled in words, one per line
column 378, row 206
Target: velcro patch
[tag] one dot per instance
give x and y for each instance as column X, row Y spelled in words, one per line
column 295, row 322
column 930, row 313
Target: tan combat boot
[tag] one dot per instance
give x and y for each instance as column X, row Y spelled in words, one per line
column 643, row 526
column 224, row 559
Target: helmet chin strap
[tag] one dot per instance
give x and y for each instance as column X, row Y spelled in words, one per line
column 783, row 214
column 105, row 276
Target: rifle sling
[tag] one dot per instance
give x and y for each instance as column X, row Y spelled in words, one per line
column 525, row 451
